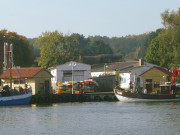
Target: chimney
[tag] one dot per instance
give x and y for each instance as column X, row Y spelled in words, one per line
column 141, row 62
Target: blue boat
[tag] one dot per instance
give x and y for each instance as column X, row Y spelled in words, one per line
column 20, row 99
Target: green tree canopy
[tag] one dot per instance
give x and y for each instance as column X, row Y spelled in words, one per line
column 52, row 49
column 57, row 49
column 167, row 43
column 96, row 47
column 22, row 52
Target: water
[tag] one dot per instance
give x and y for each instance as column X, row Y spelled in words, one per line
column 92, row 118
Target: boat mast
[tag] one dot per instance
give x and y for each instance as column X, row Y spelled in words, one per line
column 10, row 64
column 10, row 68
column 135, row 82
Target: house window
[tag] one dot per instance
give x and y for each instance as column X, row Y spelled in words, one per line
column 41, row 86
column 123, row 80
column 156, row 85
column 148, row 81
column 22, row 81
column 16, row 81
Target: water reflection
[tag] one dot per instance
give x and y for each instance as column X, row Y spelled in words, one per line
column 97, row 118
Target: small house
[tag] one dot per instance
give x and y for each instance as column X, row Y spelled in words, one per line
column 37, row 78
column 154, row 77
column 127, row 70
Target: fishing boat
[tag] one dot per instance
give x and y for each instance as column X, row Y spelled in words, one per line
column 18, row 99
column 133, row 96
column 10, row 96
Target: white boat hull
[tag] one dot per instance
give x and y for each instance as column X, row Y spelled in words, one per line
column 122, row 98
column 127, row 99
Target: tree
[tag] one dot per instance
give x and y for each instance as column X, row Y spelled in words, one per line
column 52, row 49
column 72, row 43
column 167, row 42
column 23, row 55
column 36, row 50
column 152, row 55
column 145, row 45
column 57, row 49
column 96, row 47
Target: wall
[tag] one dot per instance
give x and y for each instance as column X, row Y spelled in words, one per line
column 53, row 78
column 125, row 81
column 156, row 76
column 68, row 68
column 105, row 83
column 96, row 74
column 41, row 77
column 29, row 81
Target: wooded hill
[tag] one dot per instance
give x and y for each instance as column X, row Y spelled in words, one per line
column 161, row 47
column 131, row 46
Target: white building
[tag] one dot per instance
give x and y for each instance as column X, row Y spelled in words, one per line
column 127, row 71
column 128, row 75
column 63, row 73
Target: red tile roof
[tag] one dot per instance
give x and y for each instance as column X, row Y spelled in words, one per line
column 21, row 72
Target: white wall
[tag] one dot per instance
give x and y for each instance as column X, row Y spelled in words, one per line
column 129, row 77
column 125, row 80
column 138, row 72
column 54, row 78
column 96, row 74
column 80, row 70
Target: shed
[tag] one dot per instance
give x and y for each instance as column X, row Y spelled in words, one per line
column 154, row 77
column 39, row 79
column 65, row 72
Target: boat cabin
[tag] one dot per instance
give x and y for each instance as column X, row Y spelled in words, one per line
column 165, row 89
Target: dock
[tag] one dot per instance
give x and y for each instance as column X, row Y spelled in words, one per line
column 85, row 97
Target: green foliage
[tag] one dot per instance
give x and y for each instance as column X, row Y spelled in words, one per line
column 152, row 55
column 165, row 48
column 78, row 46
column 57, row 49
column 72, row 47
column 22, row 52
column 36, row 50
column 52, row 49
column 123, row 45
column 96, row 47
column 145, row 45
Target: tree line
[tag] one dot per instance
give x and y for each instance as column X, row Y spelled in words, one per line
column 160, row 47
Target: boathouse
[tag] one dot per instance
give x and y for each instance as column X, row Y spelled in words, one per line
column 64, row 72
column 154, row 77
column 39, row 79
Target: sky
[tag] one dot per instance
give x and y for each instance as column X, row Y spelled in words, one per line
column 111, row 18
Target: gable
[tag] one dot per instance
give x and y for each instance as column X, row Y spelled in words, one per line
column 78, row 66
column 156, row 71
column 43, row 74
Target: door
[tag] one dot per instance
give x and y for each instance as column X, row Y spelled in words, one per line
column 46, row 85
column 149, row 85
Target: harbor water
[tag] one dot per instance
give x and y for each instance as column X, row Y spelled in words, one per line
column 92, row 118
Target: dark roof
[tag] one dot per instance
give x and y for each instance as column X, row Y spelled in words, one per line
column 159, row 68
column 22, row 72
column 114, row 66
